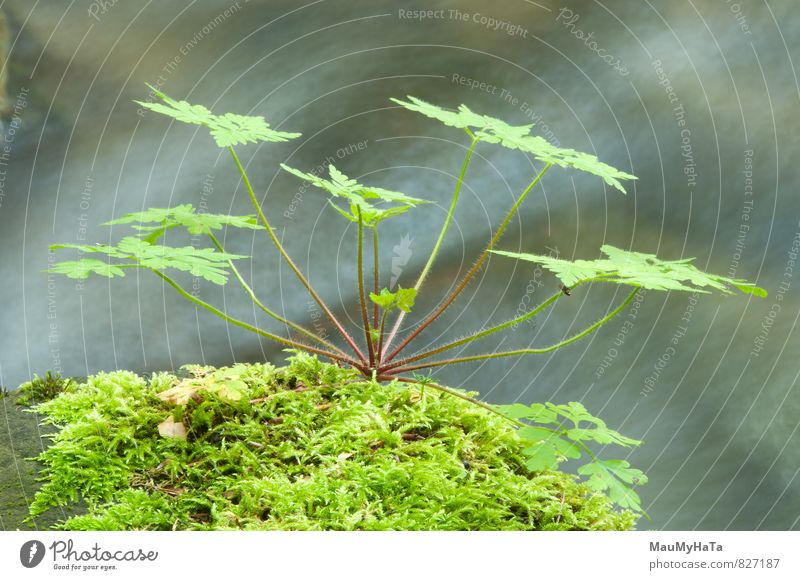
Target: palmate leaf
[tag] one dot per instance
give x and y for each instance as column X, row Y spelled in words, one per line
column 615, row 477
column 492, row 130
column 638, row 269
column 587, row 427
column 546, row 447
column 186, row 216
column 339, row 185
column 227, row 130
column 205, row 263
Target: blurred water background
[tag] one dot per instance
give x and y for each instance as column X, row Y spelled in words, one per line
column 699, row 99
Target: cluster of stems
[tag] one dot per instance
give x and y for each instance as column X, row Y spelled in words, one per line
column 378, row 360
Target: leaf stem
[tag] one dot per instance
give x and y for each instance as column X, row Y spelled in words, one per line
column 476, row 335
column 439, row 241
column 518, row 352
column 290, row 262
column 375, row 274
column 250, row 327
column 361, row 297
column 380, row 337
column 474, row 270
column 269, row 312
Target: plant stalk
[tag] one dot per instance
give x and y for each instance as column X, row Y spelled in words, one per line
column 380, row 338
column 269, row 312
column 440, row 239
column 518, row 352
column 291, row 263
column 250, row 327
column 361, row 297
column 476, row 335
column 375, row 275
column 474, row 270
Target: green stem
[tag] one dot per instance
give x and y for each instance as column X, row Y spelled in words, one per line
column 290, row 262
column 476, row 335
column 380, row 336
column 375, row 274
column 250, row 327
column 518, row 352
column 361, row 297
column 474, row 270
column 439, row 241
column 269, row 312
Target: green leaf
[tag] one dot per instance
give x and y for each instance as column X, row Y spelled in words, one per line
column 357, row 196
column 405, row 298
column 227, row 130
column 611, row 476
column 385, row 299
column 541, row 457
column 546, row 448
column 536, row 412
column 601, row 435
column 184, row 216
column 536, row 434
column 205, row 263
column 79, row 269
column 623, row 470
column 638, row 269
column 492, row 130
column 402, row 299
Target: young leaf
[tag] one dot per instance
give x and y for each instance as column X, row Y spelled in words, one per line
column 638, row 269
column 386, row 300
column 402, row 299
column 492, row 130
column 405, row 298
column 204, row 263
column 228, row 129
column 339, row 185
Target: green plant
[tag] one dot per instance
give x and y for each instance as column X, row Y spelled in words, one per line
column 552, row 433
column 42, row 389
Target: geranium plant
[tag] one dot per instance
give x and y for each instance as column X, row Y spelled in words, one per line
column 552, row 433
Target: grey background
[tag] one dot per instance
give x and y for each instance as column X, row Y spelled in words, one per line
column 719, row 418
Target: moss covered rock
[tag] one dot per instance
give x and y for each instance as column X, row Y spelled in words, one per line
column 308, row 446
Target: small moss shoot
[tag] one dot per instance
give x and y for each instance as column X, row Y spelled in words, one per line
column 308, row 446
column 42, row 389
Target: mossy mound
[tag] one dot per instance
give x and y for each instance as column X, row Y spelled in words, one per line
column 308, row 446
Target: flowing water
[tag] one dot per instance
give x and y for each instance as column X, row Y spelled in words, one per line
column 697, row 99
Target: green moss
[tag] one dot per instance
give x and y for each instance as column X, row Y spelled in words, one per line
column 310, row 446
column 42, row 389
